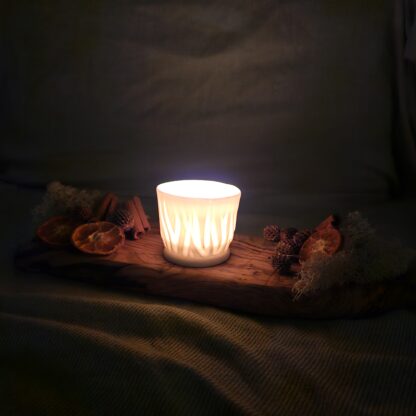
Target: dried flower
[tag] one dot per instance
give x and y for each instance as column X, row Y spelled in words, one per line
column 271, row 233
column 281, row 263
column 300, row 237
column 288, row 233
column 61, row 199
column 365, row 258
column 286, row 247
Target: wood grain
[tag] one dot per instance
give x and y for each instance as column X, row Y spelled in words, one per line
column 246, row 282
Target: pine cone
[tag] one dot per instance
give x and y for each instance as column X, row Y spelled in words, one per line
column 272, row 233
column 281, row 263
column 300, row 237
column 84, row 213
column 288, row 233
column 123, row 218
column 287, row 247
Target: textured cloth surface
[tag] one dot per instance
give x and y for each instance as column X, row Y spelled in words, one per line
column 70, row 349
column 281, row 98
column 75, row 355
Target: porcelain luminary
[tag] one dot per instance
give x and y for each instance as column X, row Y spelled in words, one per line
column 197, row 221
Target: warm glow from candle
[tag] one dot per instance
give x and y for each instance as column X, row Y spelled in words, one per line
column 197, row 220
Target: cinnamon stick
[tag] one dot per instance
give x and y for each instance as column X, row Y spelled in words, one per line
column 112, row 206
column 142, row 214
column 104, row 205
column 138, row 228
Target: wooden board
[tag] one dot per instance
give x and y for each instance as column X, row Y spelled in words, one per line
column 246, row 282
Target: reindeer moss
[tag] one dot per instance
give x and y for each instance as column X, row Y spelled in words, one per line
column 365, row 258
column 61, row 199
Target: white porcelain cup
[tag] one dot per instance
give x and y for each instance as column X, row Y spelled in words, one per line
column 197, row 221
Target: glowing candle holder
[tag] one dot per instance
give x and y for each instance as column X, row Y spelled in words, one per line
column 197, row 221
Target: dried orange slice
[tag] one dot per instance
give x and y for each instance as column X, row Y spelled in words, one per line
column 330, row 221
column 325, row 241
column 57, row 231
column 100, row 238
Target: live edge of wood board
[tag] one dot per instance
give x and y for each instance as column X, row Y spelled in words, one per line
column 245, row 283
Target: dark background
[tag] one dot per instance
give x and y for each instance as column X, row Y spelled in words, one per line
column 289, row 100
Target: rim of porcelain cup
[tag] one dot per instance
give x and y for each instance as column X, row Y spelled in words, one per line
column 199, row 189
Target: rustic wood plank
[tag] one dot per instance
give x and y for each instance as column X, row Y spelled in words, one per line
column 246, row 282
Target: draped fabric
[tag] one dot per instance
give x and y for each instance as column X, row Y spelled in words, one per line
column 405, row 47
column 79, row 355
column 281, row 98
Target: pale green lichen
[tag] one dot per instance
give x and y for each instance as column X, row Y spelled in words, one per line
column 365, row 258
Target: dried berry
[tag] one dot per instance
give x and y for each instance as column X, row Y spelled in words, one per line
column 288, row 233
column 124, row 218
column 272, row 233
column 281, row 263
column 300, row 237
column 286, row 247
